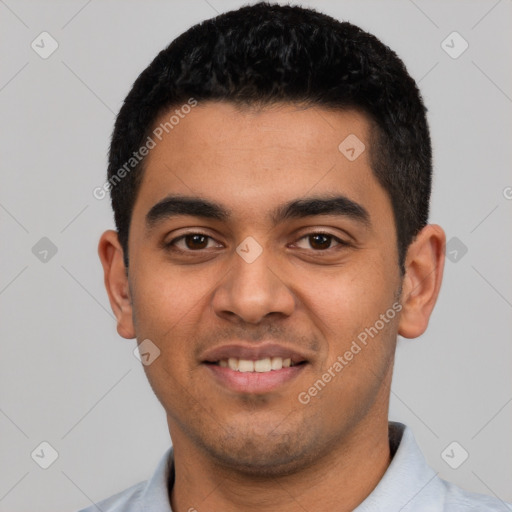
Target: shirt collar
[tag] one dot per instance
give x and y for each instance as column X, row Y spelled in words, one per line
column 155, row 496
column 408, row 483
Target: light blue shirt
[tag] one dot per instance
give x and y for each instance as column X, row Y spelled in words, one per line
column 408, row 485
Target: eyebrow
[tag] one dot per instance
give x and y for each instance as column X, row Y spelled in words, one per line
column 338, row 205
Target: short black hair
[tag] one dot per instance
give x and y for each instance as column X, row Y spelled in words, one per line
column 267, row 54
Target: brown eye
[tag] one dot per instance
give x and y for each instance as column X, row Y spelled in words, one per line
column 191, row 242
column 321, row 241
column 196, row 241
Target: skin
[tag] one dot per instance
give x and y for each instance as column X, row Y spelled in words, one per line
column 244, row 451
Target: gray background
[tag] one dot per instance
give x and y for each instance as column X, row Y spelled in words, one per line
column 67, row 378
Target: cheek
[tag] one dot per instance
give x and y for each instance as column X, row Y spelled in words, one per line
column 166, row 309
column 359, row 345
column 166, row 300
column 351, row 297
column 347, row 307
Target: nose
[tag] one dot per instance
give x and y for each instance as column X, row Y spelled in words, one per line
column 252, row 291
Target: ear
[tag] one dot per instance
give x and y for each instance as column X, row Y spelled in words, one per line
column 116, row 282
column 423, row 275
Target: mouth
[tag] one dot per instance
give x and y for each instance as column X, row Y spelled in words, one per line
column 247, row 381
column 250, row 369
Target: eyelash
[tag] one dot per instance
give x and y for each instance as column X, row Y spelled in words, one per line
column 341, row 243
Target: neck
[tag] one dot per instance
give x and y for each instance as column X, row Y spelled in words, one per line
column 340, row 480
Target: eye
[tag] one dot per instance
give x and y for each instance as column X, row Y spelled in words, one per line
column 191, row 242
column 196, row 242
column 321, row 241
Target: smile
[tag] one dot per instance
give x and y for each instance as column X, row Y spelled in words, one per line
column 254, row 376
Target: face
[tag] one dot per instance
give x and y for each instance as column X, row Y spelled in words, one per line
column 261, row 273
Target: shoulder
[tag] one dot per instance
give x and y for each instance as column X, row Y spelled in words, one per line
column 125, row 501
column 149, row 495
column 458, row 499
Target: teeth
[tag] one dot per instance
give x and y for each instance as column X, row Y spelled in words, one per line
column 277, row 363
column 261, row 365
column 244, row 365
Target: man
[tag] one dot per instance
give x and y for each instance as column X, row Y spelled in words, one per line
column 270, row 175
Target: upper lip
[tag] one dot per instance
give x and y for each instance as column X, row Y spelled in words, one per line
column 252, row 352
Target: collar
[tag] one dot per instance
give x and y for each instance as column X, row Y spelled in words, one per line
column 408, row 483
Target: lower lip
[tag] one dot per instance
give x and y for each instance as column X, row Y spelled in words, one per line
column 254, row 382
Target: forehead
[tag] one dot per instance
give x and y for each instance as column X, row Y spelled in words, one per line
column 250, row 159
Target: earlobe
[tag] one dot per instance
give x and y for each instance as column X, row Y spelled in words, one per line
column 116, row 282
column 423, row 275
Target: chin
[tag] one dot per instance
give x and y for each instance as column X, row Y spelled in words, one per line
column 260, row 461
column 265, row 454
